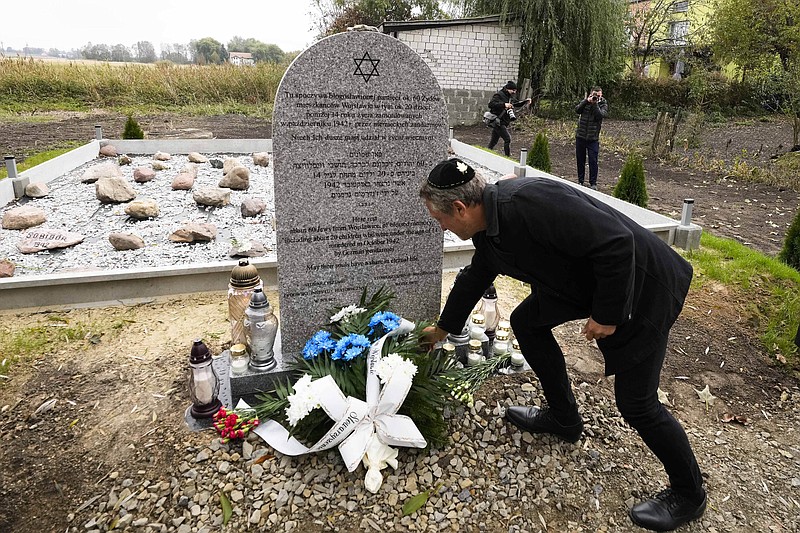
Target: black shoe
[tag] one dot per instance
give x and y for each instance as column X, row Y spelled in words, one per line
column 535, row 420
column 666, row 511
column 581, row 184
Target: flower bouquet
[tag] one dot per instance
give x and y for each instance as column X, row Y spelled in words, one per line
column 367, row 384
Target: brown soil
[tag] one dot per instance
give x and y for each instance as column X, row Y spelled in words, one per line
column 121, row 391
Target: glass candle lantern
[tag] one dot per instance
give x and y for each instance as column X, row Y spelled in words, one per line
column 504, row 325
column 477, row 329
column 261, row 328
column 517, row 359
column 239, row 359
column 203, row 382
column 449, row 350
column 244, row 280
column 490, row 311
column 475, row 354
column 500, row 344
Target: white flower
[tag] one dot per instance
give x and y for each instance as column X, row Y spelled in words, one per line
column 462, row 167
column 392, row 363
column 302, row 402
column 377, row 457
column 346, row 312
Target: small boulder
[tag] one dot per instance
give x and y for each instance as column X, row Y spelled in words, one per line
column 216, row 163
column 24, row 217
column 108, row 150
column 229, row 164
column 37, row 189
column 114, row 191
column 7, row 268
column 38, row 240
column 194, row 232
column 190, row 168
column 253, row 206
column 248, row 249
column 212, row 197
column 261, row 159
column 196, row 157
column 124, row 160
column 162, row 156
column 158, row 165
column 108, row 169
column 143, row 174
column 183, row 182
column 125, row 241
column 142, row 209
column 237, row 179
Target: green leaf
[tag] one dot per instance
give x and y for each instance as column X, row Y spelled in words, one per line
column 227, row 510
column 416, row 502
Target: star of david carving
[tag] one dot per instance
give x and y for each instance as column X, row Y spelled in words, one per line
column 368, row 64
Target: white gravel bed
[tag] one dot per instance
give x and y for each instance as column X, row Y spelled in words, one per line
column 73, row 206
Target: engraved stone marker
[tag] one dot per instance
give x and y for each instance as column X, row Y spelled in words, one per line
column 37, row 240
column 359, row 121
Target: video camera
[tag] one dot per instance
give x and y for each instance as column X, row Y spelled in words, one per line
column 511, row 114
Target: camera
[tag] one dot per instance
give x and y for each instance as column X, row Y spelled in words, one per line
column 511, row 115
column 593, row 98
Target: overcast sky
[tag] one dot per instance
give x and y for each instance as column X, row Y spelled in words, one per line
column 68, row 24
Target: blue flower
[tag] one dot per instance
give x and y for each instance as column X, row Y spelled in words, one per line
column 387, row 321
column 350, row 347
column 319, row 343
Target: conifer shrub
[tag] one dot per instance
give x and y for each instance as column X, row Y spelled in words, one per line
column 790, row 253
column 539, row 155
column 132, row 129
column 631, row 186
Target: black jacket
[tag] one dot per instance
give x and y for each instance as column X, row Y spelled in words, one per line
column 591, row 119
column 497, row 105
column 582, row 258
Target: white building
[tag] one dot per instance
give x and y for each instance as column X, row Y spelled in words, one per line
column 241, row 58
column 471, row 59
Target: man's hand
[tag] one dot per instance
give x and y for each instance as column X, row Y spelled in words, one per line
column 509, row 106
column 433, row 334
column 593, row 330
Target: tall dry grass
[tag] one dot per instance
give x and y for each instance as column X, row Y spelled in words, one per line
column 26, row 83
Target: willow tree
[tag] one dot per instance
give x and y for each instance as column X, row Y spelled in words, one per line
column 567, row 45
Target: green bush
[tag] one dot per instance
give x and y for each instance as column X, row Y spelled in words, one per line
column 132, row 129
column 539, row 155
column 790, row 254
column 631, row 186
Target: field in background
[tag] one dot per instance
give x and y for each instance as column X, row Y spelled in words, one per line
column 30, row 85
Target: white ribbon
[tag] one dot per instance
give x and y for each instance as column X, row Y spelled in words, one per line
column 357, row 421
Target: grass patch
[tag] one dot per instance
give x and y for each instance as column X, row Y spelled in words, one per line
column 22, row 344
column 771, row 287
column 41, row 157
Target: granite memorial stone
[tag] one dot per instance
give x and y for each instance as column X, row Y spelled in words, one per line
column 359, row 121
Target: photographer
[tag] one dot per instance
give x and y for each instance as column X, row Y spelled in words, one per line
column 592, row 110
column 502, row 105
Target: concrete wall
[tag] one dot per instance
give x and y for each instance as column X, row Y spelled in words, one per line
column 470, row 61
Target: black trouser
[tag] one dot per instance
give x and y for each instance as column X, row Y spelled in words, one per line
column 499, row 132
column 582, row 146
column 636, row 392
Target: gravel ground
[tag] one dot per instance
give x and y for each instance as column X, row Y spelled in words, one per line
column 73, row 206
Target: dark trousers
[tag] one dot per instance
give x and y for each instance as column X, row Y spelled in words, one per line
column 635, row 389
column 582, row 146
column 499, row 132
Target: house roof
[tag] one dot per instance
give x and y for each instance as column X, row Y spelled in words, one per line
column 391, row 26
column 243, row 55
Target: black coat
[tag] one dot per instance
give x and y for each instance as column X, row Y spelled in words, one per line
column 497, row 105
column 582, row 258
column 591, row 119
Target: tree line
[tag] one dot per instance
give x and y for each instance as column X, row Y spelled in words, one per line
column 205, row 51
